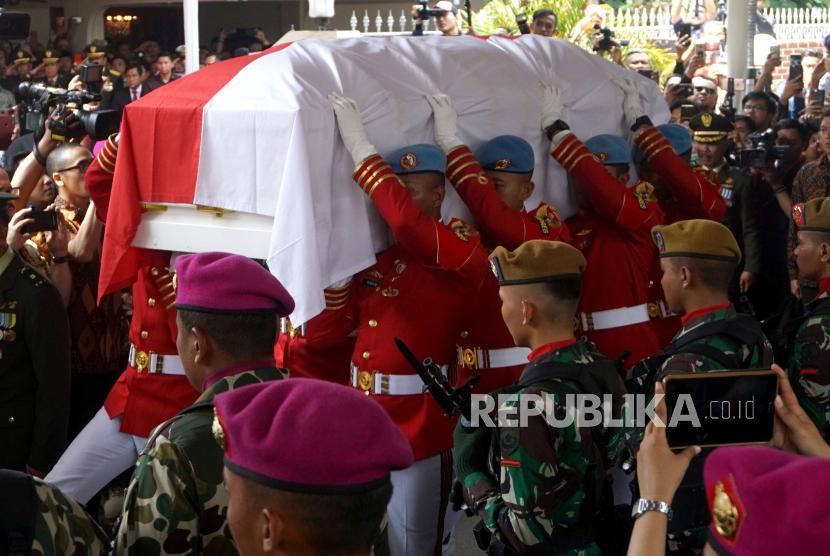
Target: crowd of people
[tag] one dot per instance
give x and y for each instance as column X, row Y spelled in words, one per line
column 226, row 429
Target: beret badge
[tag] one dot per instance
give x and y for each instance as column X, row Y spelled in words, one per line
column 602, row 156
column 725, row 513
column 798, row 214
column 409, row 161
column 502, row 164
column 659, row 241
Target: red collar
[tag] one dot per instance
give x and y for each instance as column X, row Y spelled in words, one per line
column 703, row 311
column 547, row 348
column 823, row 286
column 235, row 370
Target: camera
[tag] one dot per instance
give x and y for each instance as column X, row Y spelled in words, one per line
column 763, row 152
column 521, row 21
column 604, row 39
column 425, row 12
column 72, row 122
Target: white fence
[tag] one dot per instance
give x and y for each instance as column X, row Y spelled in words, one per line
column 654, row 25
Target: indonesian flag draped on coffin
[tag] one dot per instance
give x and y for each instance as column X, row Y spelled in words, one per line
column 257, row 135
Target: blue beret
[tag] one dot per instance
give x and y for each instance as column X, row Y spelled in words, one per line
column 678, row 136
column 610, row 149
column 418, row 158
column 506, row 153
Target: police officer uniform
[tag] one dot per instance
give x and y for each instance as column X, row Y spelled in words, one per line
column 34, row 366
column 741, row 210
column 22, row 61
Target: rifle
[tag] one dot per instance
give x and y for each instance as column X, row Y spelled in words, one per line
column 453, row 401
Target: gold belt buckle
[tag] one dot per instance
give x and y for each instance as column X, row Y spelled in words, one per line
column 141, row 361
column 469, row 359
column 366, row 381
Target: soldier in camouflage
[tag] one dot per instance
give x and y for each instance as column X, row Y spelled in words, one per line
column 809, row 364
column 530, row 484
column 697, row 259
column 56, row 524
column 176, row 502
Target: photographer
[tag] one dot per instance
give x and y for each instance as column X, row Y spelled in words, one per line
column 603, row 42
column 761, row 108
column 705, row 97
column 780, row 175
column 445, row 14
column 811, row 182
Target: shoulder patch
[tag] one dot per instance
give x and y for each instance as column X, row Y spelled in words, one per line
column 547, row 218
column 463, row 230
column 644, row 193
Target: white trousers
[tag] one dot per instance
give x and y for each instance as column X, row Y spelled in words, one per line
column 419, row 507
column 98, row 455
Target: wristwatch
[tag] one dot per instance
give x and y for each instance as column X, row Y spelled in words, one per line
column 642, row 506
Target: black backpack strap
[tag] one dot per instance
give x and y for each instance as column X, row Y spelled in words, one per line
column 17, row 513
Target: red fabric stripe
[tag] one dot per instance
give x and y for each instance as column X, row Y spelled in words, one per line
column 158, row 160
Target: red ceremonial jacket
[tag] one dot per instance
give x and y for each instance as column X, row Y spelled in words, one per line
column 499, row 224
column 695, row 193
column 418, row 291
column 143, row 400
column 615, row 238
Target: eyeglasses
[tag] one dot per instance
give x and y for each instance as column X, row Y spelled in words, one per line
column 81, row 166
column 707, row 90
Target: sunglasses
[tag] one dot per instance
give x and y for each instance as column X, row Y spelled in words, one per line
column 707, row 90
column 81, row 166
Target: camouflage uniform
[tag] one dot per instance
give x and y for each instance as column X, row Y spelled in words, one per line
column 176, row 502
column 689, row 497
column 532, row 494
column 809, row 365
column 755, row 356
column 63, row 527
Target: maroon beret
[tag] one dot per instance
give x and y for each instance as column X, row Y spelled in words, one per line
column 310, row 436
column 216, row 282
column 764, row 501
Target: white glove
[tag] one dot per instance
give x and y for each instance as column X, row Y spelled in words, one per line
column 552, row 108
column 445, row 117
column 632, row 107
column 351, row 128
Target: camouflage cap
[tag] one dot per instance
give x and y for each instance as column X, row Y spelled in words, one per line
column 813, row 216
column 704, row 239
column 537, row 260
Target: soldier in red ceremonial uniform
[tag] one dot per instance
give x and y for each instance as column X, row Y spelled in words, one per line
column 495, row 183
column 152, row 389
column 417, row 291
column 613, row 230
column 662, row 156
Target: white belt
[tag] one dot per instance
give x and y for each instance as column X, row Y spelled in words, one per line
column 477, row 358
column 375, row 382
column 151, row 362
column 614, row 318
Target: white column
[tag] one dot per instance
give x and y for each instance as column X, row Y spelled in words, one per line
column 736, row 37
column 191, row 35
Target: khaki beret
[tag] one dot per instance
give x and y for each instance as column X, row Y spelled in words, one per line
column 704, row 239
column 813, row 216
column 538, row 260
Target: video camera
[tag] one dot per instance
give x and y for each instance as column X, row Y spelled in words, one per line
column 72, row 121
column 425, row 12
column 764, row 151
column 604, row 39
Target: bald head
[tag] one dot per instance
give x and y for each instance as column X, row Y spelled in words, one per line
column 63, row 156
